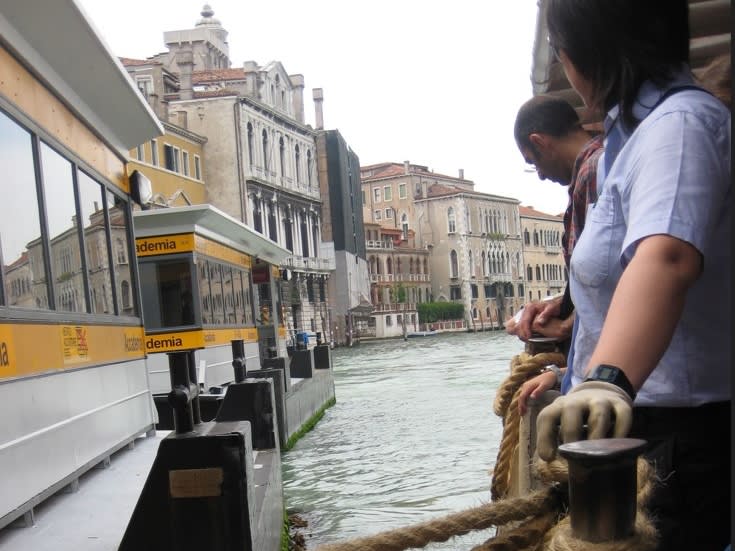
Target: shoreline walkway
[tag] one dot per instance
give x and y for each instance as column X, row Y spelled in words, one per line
column 94, row 517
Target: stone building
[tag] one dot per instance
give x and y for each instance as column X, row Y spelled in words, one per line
column 342, row 232
column 399, row 280
column 471, row 239
column 545, row 272
column 260, row 156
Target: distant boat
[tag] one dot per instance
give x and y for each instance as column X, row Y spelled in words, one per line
column 412, row 334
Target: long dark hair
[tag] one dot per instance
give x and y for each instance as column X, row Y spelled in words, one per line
column 619, row 44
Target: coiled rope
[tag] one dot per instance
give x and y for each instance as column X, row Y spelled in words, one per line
column 537, row 521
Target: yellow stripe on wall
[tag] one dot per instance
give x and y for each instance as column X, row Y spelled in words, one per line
column 30, row 349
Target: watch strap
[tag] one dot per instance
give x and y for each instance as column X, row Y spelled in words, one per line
column 556, row 370
column 614, row 375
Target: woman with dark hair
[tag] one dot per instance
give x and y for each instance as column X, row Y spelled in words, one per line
column 650, row 276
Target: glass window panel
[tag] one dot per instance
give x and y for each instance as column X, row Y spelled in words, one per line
column 95, row 238
column 229, row 295
column 215, row 283
column 205, row 296
column 167, row 298
column 119, row 230
column 21, row 251
column 247, row 298
column 237, row 290
column 61, row 213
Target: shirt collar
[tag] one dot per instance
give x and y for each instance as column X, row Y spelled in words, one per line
column 648, row 96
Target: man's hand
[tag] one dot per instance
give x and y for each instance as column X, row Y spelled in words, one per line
column 537, row 314
column 559, row 329
column 603, row 407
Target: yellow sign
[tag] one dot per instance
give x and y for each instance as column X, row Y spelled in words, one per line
column 7, row 360
column 168, row 244
column 29, row 349
column 200, row 338
column 221, row 252
column 74, row 341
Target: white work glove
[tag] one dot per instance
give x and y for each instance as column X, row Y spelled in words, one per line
column 601, row 406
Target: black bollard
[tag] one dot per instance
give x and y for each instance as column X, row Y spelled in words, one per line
column 238, row 360
column 184, row 395
column 602, row 487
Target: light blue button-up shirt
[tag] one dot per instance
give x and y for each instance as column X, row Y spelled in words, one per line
column 670, row 176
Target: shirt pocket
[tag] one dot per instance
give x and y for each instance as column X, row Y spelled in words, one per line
column 593, row 253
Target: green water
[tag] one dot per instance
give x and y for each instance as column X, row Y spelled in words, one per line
column 412, row 437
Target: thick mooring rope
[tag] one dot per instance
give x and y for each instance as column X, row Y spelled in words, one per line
column 535, row 522
column 523, row 367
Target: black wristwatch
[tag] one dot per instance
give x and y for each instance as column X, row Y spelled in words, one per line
column 613, row 375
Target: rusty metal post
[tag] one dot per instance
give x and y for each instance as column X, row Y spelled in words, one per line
column 602, row 487
column 238, row 360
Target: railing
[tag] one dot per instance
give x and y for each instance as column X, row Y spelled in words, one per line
column 310, row 263
column 553, row 249
column 557, row 283
column 501, row 277
column 383, row 278
column 379, row 244
column 398, row 307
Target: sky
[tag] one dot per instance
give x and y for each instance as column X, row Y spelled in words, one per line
column 432, row 82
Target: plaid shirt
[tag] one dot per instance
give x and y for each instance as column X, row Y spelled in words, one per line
column 582, row 191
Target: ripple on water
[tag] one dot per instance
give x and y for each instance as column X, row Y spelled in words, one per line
column 412, row 437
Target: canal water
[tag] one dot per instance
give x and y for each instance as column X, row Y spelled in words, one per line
column 412, row 437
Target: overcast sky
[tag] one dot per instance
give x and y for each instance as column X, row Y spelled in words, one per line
column 437, row 83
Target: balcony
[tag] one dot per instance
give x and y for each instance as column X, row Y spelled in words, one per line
column 398, row 307
column 502, row 277
column 379, row 244
column 552, row 249
column 557, row 283
column 310, row 263
column 386, row 278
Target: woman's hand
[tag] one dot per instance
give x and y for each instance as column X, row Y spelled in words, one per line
column 533, row 388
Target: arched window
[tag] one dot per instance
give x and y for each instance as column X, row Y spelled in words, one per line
column 471, row 263
column 453, row 264
column 282, row 155
column 389, row 265
column 484, row 266
column 125, row 292
column 538, row 273
column 426, row 266
column 250, row 143
column 526, row 237
column 529, row 273
column 404, row 225
column 451, row 222
column 308, row 167
column 535, row 238
column 265, row 149
column 298, row 163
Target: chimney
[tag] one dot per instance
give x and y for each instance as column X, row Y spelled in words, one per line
column 318, row 95
column 461, row 173
column 185, row 61
column 297, row 81
column 406, row 167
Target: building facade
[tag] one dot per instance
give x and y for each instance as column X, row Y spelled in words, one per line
column 544, row 268
column 260, row 156
column 343, row 236
column 471, row 240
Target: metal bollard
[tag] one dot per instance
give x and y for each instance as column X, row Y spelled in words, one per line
column 184, row 395
column 238, row 360
column 602, row 487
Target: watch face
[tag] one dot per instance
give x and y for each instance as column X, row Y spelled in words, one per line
column 605, row 373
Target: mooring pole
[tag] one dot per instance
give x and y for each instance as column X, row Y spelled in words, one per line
column 184, row 395
column 602, row 487
column 238, row 360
